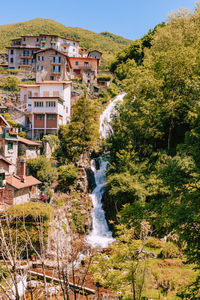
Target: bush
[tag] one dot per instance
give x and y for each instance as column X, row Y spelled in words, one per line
column 153, row 242
column 67, row 177
column 169, row 250
column 41, row 168
column 11, row 84
column 22, row 134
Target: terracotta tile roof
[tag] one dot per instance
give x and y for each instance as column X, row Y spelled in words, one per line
column 28, row 142
column 16, row 182
column 6, row 160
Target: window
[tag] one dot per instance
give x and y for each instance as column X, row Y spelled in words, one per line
column 74, row 44
column 43, row 39
column 51, row 77
column 50, row 104
column 51, row 117
column 24, row 39
column 39, row 117
column 53, row 46
column 55, row 93
column 40, row 68
column 74, row 49
column 37, row 39
column 12, row 51
column 26, row 53
column 12, row 60
column 38, row 104
column 40, row 58
column 33, row 60
column 56, row 69
column 45, row 93
column 29, row 94
column 25, row 61
column 57, row 59
column 10, row 146
column 76, row 63
column 86, row 65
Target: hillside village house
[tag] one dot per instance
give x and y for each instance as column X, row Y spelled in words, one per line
column 22, row 50
column 85, row 68
column 52, row 64
column 27, row 148
column 48, row 105
column 22, row 188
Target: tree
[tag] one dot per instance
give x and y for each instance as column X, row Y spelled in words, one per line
column 67, row 177
column 41, row 168
column 81, row 134
column 11, row 84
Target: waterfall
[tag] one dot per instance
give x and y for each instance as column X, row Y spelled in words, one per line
column 101, row 236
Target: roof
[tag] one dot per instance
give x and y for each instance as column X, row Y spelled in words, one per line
column 48, row 98
column 69, row 39
column 29, row 85
column 55, row 82
column 16, row 182
column 94, row 51
column 6, row 160
column 27, row 142
column 83, row 58
column 48, row 49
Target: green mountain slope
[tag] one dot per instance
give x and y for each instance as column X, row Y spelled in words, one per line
column 106, row 42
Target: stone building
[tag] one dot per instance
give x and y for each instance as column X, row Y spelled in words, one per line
column 27, row 148
column 22, row 50
column 85, row 68
column 21, row 189
column 52, row 64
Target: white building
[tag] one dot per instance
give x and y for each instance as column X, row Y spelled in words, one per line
column 48, row 105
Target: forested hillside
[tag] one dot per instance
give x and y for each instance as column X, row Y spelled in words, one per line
column 106, row 42
column 154, row 172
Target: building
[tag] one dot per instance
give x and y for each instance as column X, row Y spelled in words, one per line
column 95, row 54
column 9, row 147
column 48, row 105
column 22, row 50
column 21, row 189
column 86, row 68
column 52, row 64
column 27, row 148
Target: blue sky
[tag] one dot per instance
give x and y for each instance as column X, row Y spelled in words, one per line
column 128, row 18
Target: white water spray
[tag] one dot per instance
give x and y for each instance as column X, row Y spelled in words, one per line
column 101, row 236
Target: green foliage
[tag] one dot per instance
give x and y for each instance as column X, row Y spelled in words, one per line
column 169, row 250
column 3, row 272
column 153, row 242
column 67, row 177
column 22, row 134
column 41, row 168
column 154, row 170
column 53, row 140
column 81, row 134
column 10, row 84
column 104, row 77
column 108, row 43
column 10, row 121
column 28, row 219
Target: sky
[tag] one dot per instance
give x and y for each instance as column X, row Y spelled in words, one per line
column 128, row 18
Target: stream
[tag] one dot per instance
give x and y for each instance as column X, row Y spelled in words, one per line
column 100, row 235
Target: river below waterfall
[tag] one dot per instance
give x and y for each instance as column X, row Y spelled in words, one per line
column 100, row 235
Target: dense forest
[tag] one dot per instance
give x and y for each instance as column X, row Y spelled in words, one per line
column 154, row 172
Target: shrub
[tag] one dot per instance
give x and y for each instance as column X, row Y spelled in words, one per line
column 169, row 250
column 11, row 84
column 41, row 168
column 22, row 134
column 153, row 242
column 67, row 177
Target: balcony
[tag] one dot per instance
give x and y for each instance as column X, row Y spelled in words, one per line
column 25, row 57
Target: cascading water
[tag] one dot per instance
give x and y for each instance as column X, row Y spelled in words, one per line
column 100, row 236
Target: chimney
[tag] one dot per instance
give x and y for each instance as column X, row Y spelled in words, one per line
column 23, row 169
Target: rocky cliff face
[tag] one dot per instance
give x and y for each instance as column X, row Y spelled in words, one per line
column 72, row 220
